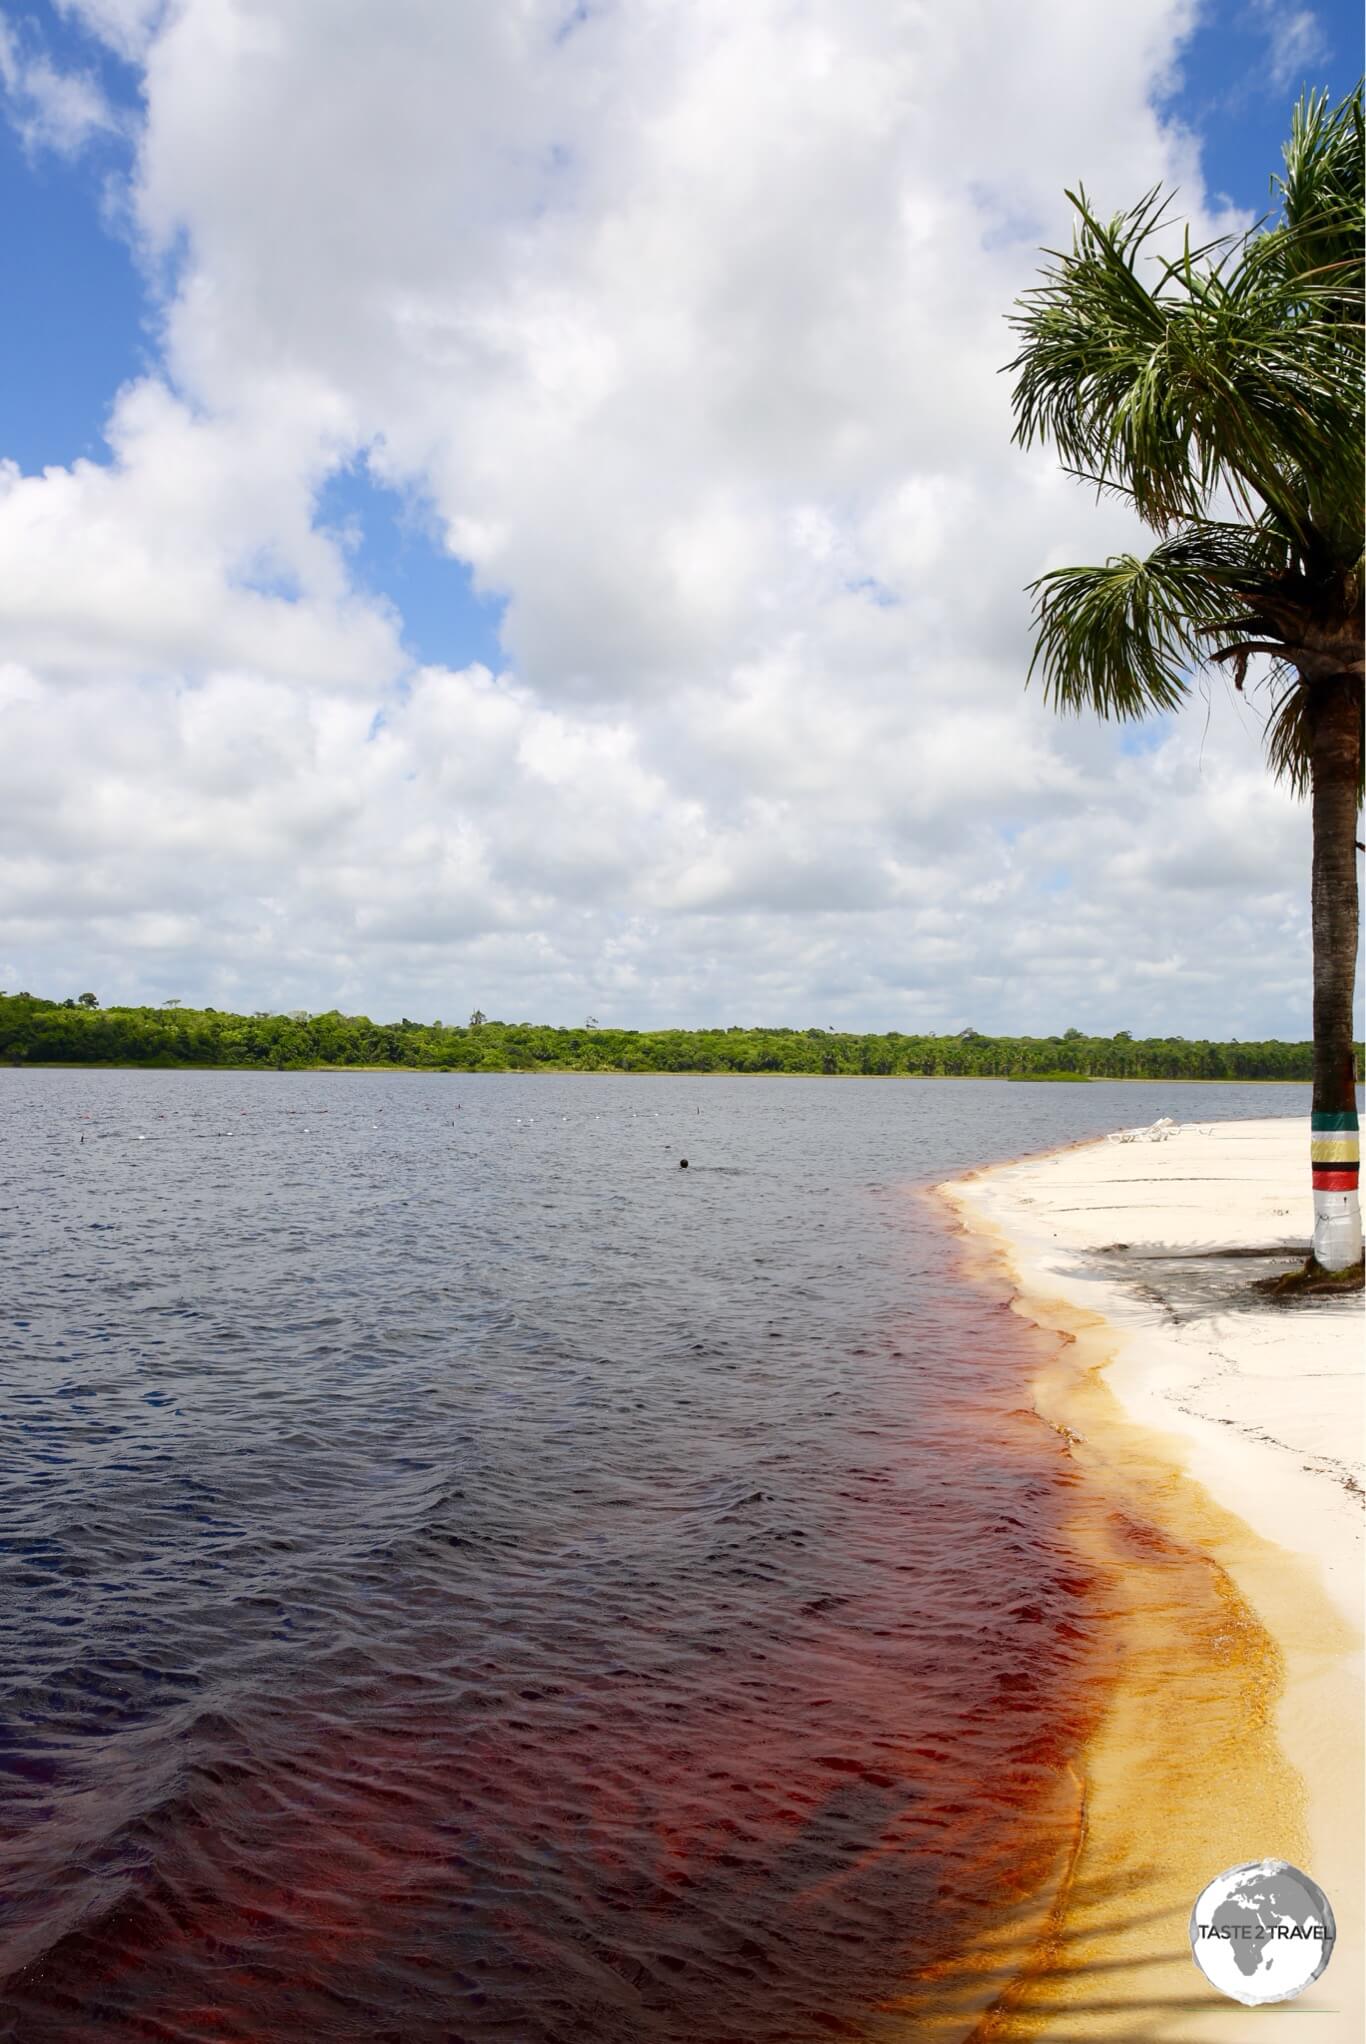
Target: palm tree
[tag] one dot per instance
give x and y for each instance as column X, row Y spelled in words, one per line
column 1217, row 390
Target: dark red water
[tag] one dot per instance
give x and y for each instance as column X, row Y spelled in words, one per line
column 467, row 1579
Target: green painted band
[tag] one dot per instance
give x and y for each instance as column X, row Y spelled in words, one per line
column 1327, row 1124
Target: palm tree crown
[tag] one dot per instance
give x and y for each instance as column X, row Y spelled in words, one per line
column 1227, row 374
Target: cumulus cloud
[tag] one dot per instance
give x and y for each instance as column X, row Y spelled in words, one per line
column 687, row 320
column 192, row 549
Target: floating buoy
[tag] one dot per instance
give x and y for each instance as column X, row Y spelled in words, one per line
column 682, row 1163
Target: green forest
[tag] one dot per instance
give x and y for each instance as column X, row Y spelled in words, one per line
column 80, row 1032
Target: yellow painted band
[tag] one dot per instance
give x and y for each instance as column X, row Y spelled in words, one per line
column 1334, row 1149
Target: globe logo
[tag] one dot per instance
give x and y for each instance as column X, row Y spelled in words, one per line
column 1262, row 1932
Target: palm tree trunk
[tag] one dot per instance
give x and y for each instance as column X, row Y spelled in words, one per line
column 1335, row 770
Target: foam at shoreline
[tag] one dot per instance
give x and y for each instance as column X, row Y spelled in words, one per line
column 1224, row 1436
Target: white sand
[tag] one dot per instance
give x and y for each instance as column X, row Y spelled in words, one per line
column 1264, row 1407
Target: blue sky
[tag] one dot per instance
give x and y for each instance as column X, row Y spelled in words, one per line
column 1244, row 68
column 90, row 317
column 84, row 327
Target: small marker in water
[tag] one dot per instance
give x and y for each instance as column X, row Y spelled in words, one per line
column 682, row 1163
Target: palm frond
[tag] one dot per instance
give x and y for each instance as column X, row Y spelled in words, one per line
column 1287, row 734
column 1122, row 639
column 1323, row 191
column 1318, row 254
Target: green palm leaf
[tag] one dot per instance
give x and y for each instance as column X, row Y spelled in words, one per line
column 1122, row 639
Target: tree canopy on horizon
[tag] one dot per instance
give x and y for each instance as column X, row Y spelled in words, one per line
column 35, row 1031
column 1217, row 390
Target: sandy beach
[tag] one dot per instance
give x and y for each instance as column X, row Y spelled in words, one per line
column 1224, row 1434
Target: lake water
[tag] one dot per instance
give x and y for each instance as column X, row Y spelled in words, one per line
column 468, row 1578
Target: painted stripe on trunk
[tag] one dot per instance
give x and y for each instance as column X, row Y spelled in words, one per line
column 1337, row 1181
column 1340, row 1120
column 1335, row 1149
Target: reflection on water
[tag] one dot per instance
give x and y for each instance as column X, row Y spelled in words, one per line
column 466, row 1578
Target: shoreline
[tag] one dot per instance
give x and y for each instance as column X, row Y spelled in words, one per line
column 1226, row 1513
column 625, row 1072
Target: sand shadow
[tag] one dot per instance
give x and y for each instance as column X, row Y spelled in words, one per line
column 1198, row 1284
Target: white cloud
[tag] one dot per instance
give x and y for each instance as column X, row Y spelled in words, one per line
column 171, row 559
column 689, row 323
column 1295, row 42
column 126, row 26
column 51, row 108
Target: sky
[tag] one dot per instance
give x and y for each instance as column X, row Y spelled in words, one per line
column 515, row 507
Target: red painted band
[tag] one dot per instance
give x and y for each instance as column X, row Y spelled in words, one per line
column 1337, row 1181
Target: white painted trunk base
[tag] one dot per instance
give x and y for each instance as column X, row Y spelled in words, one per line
column 1337, row 1229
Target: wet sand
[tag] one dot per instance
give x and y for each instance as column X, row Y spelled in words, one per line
column 1223, row 1436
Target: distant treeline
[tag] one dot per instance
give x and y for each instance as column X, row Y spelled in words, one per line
column 34, row 1031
